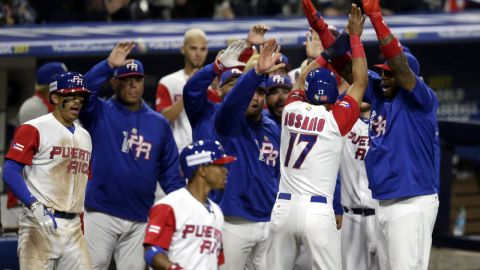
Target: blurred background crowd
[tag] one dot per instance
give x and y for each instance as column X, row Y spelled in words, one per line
column 62, row 11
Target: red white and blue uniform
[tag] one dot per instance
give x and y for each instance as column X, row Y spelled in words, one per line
column 190, row 232
column 312, row 141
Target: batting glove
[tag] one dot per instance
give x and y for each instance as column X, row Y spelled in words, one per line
column 44, row 217
column 229, row 58
column 175, row 266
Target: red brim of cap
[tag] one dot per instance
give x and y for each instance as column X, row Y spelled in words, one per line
column 224, row 160
column 131, row 74
column 383, row 66
column 73, row 91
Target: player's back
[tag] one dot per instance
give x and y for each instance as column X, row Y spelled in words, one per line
column 310, row 150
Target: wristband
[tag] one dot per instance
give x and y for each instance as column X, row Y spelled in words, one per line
column 321, row 61
column 218, row 67
column 357, row 46
column 392, row 49
column 150, row 254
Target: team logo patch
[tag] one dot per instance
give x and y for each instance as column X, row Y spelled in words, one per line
column 345, row 104
column 18, row 146
column 154, row 229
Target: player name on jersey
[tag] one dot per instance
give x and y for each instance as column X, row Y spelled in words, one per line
column 304, row 122
column 213, row 237
column 79, row 158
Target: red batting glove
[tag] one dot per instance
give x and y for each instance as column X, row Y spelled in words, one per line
column 175, row 266
column 371, row 7
column 313, row 16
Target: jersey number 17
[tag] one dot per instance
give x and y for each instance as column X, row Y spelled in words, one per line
column 309, row 139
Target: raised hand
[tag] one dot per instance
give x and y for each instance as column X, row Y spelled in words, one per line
column 313, row 45
column 229, row 57
column 256, row 34
column 45, row 218
column 118, row 56
column 371, row 6
column 313, row 16
column 355, row 21
column 269, row 55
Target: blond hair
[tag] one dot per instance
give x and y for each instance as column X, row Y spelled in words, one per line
column 194, row 33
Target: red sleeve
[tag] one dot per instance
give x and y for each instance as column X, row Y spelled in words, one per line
column 221, row 258
column 163, row 98
column 295, row 95
column 160, row 227
column 24, row 145
column 213, row 96
column 346, row 113
column 246, row 54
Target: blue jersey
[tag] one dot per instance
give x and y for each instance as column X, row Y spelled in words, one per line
column 253, row 179
column 404, row 155
column 198, row 108
column 131, row 151
column 200, row 111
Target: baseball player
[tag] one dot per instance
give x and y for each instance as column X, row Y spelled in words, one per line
column 312, row 130
column 169, row 91
column 185, row 228
column 404, row 156
column 133, row 149
column 47, row 168
column 359, row 245
column 253, row 180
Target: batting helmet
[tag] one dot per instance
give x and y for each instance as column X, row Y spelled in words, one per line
column 202, row 152
column 321, row 87
column 68, row 83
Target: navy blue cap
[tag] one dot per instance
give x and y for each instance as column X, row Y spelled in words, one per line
column 48, row 70
column 134, row 68
column 278, row 81
column 229, row 74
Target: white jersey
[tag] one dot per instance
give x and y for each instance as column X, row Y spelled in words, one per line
column 169, row 90
column 188, row 230
column 58, row 162
column 311, row 144
column 355, row 191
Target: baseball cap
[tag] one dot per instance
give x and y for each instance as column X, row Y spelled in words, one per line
column 229, row 74
column 68, row 82
column 134, row 68
column 48, row 70
column 412, row 62
column 278, row 81
column 284, row 59
column 202, row 152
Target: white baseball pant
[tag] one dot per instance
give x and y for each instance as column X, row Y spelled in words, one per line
column 65, row 249
column 244, row 244
column 404, row 232
column 303, row 220
column 359, row 244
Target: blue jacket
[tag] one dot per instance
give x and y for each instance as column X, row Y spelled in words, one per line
column 253, row 179
column 131, row 152
column 404, row 155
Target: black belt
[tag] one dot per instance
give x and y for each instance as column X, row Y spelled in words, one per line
column 65, row 215
column 360, row 211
